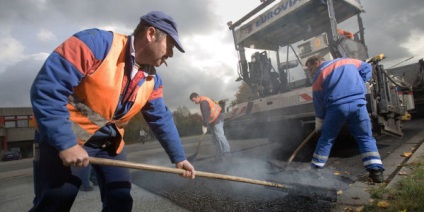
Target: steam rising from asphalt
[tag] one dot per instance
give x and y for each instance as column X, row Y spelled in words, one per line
column 260, row 160
column 265, row 161
column 295, row 173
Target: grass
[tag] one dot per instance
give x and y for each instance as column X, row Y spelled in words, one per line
column 408, row 196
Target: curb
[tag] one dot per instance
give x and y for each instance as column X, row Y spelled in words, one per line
column 404, row 169
column 358, row 193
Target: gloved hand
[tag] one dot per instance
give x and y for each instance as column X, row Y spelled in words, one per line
column 204, row 129
column 318, row 124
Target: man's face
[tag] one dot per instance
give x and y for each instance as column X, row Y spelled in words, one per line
column 158, row 48
column 164, row 49
column 196, row 100
column 313, row 67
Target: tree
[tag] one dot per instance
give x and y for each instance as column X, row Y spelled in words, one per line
column 132, row 130
column 244, row 94
column 186, row 122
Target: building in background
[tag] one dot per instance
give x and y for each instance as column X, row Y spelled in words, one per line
column 17, row 130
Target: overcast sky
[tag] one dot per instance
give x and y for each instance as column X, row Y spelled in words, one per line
column 31, row 29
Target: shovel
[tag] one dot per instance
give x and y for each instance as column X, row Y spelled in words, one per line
column 192, row 157
column 303, row 190
column 301, row 146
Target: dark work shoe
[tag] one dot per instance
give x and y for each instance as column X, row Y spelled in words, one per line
column 226, row 155
column 218, row 159
column 89, row 188
column 376, row 175
column 316, row 172
column 315, row 167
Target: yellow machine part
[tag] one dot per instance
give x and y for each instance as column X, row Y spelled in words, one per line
column 406, row 117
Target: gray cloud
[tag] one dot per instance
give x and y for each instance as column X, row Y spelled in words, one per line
column 16, row 81
column 181, row 79
column 192, row 16
column 388, row 24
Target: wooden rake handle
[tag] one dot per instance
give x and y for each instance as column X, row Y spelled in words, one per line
column 133, row 165
column 301, row 145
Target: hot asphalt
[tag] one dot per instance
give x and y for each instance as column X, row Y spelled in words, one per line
column 19, row 197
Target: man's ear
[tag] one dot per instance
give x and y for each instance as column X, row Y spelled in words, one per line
column 151, row 34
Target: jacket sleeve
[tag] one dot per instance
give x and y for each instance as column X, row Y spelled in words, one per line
column 160, row 120
column 318, row 97
column 319, row 105
column 204, row 108
column 61, row 72
column 365, row 70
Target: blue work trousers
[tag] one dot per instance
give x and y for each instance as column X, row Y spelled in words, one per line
column 84, row 174
column 219, row 139
column 56, row 186
column 355, row 115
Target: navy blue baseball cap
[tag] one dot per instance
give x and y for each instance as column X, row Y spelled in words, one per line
column 164, row 23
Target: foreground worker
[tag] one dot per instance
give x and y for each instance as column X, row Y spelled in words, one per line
column 86, row 92
column 339, row 97
column 213, row 118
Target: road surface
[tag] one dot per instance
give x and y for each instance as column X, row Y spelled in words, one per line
column 254, row 158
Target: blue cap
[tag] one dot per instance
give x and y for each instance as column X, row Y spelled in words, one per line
column 165, row 23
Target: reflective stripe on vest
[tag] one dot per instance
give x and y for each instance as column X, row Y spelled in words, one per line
column 214, row 108
column 96, row 98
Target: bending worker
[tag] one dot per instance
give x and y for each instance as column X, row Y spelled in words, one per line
column 86, row 92
column 212, row 118
column 339, row 97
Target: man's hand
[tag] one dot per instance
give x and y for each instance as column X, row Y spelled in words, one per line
column 190, row 172
column 74, row 156
column 204, row 130
column 318, row 124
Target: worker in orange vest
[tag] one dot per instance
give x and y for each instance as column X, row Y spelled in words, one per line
column 214, row 120
column 85, row 94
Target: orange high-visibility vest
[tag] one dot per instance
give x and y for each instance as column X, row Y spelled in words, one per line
column 214, row 108
column 96, row 98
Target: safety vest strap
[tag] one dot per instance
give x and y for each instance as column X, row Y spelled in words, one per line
column 87, row 111
column 82, row 134
column 85, row 121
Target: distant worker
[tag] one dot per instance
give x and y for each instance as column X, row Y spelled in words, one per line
column 85, row 94
column 213, row 118
column 345, row 33
column 143, row 136
column 339, row 97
